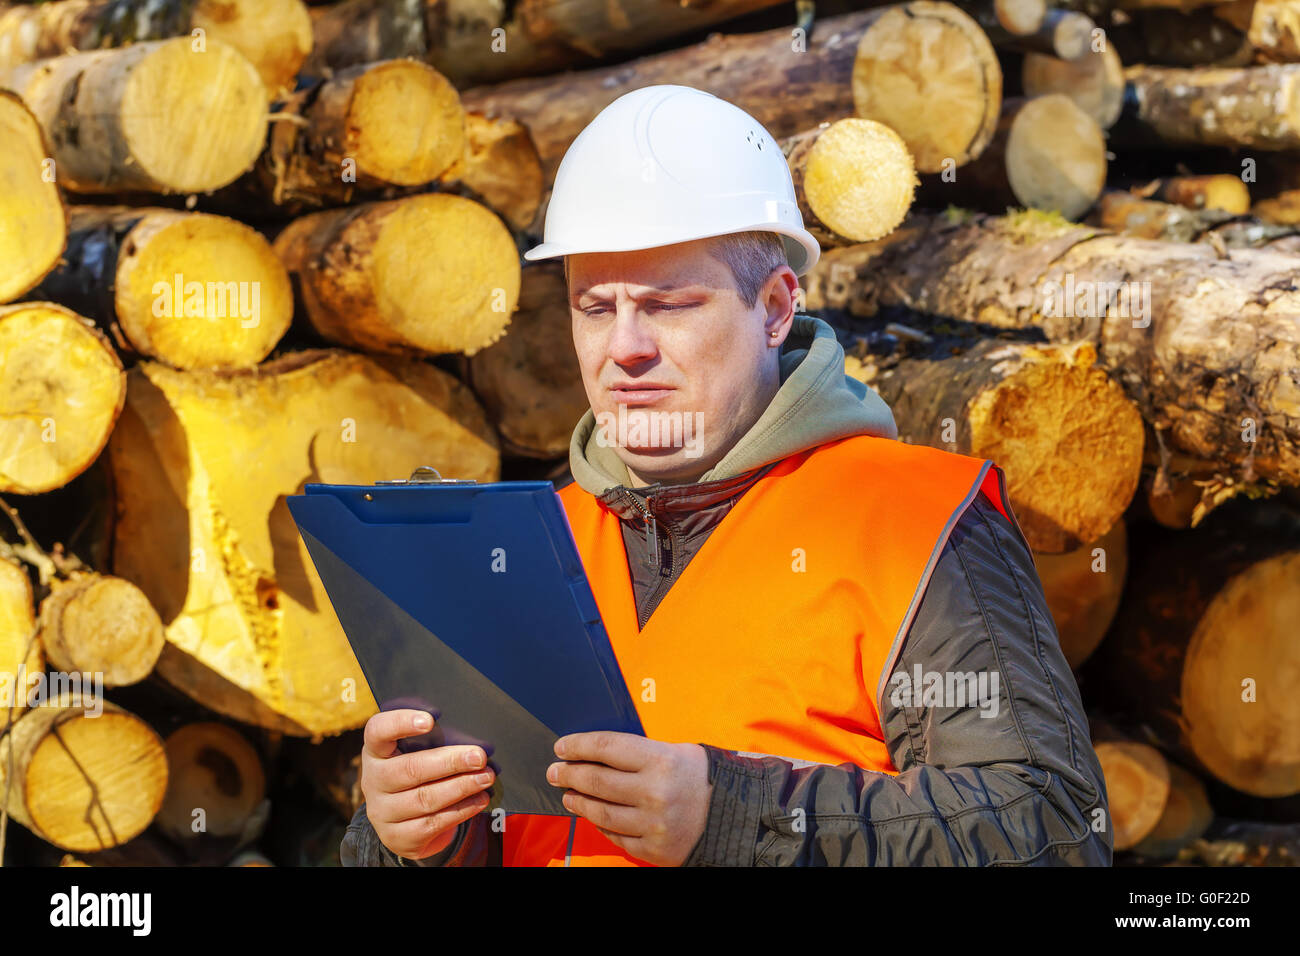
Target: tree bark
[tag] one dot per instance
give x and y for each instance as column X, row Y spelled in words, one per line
column 134, row 118
column 861, row 63
column 1208, row 346
column 190, row 289
column 430, row 274
column 1004, row 400
column 274, row 35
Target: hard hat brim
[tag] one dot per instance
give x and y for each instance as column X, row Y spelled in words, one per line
column 801, row 250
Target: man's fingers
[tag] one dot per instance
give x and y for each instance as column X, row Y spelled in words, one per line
column 607, row 816
column 385, row 728
column 433, row 798
column 597, row 780
column 620, row 751
column 418, row 832
column 407, row 771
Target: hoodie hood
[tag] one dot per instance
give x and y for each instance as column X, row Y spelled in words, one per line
column 815, row 404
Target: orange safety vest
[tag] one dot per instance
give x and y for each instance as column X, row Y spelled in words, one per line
column 781, row 633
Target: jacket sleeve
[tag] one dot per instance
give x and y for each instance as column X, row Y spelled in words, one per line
column 1013, row 784
column 473, row 845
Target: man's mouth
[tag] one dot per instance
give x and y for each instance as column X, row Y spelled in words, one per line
column 639, row 394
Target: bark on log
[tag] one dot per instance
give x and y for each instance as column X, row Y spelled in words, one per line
column 87, row 775
column 1272, row 27
column 1201, row 650
column 1083, row 589
column 213, row 769
column 1095, row 81
column 146, row 275
column 364, row 31
column 1005, row 401
column 1243, row 108
column 1208, row 347
column 61, row 390
column 394, row 122
column 500, row 167
column 274, row 35
column 134, row 118
column 101, row 625
column 1137, row 788
column 529, row 381
column 33, row 222
column 888, row 64
column 250, row 630
column 1047, row 154
column 1123, row 212
column 854, row 180
column 429, row 274
column 20, row 648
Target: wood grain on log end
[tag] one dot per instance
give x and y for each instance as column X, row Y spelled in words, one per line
column 87, row 775
column 1055, row 156
column 1137, row 788
column 1240, row 715
column 918, row 54
column 501, row 166
column 433, row 273
column 855, row 177
column 102, row 625
column 250, row 630
column 33, row 223
column 215, row 769
column 61, row 389
column 132, row 118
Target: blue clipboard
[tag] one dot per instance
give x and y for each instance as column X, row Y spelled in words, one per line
column 470, row 601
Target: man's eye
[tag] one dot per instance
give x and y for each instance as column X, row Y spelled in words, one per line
column 663, row 307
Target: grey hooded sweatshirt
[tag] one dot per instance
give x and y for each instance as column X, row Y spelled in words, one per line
column 1012, row 781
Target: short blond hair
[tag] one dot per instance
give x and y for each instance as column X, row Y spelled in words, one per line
column 751, row 257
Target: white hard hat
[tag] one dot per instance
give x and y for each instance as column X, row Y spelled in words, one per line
column 667, row 164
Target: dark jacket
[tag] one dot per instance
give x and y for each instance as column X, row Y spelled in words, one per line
column 1022, row 786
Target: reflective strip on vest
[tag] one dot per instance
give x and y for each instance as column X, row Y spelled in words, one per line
column 782, row 631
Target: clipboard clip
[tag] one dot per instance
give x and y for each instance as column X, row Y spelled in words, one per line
column 427, row 475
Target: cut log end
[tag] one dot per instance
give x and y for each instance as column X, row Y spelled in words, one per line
column 1056, row 156
column 176, row 98
column 1019, row 17
column 911, row 58
column 1137, row 788
column 201, row 291
column 34, row 225
column 86, row 774
column 213, row 769
column 1187, row 815
column 1066, row 491
column 406, row 122
column 1083, row 589
column 1242, row 719
column 275, row 35
column 859, row 179
column 61, row 389
column 20, row 650
column 101, row 625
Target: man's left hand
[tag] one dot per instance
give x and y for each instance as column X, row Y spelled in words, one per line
column 649, row 798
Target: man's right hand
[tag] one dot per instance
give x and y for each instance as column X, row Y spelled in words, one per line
column 415, row 801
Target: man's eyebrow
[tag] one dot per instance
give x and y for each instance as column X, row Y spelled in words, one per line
column 650, row 290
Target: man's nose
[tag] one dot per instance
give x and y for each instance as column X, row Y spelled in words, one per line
column 632, row 339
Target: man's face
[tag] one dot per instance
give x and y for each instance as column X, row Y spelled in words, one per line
column 675, row 366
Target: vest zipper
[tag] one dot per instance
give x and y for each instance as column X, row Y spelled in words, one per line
column 651, row 532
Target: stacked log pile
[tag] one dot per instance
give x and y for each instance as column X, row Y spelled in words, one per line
column 248, row 245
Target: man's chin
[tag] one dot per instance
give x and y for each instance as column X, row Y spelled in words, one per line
column 673, row 465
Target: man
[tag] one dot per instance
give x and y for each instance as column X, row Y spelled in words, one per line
column 837, row 642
